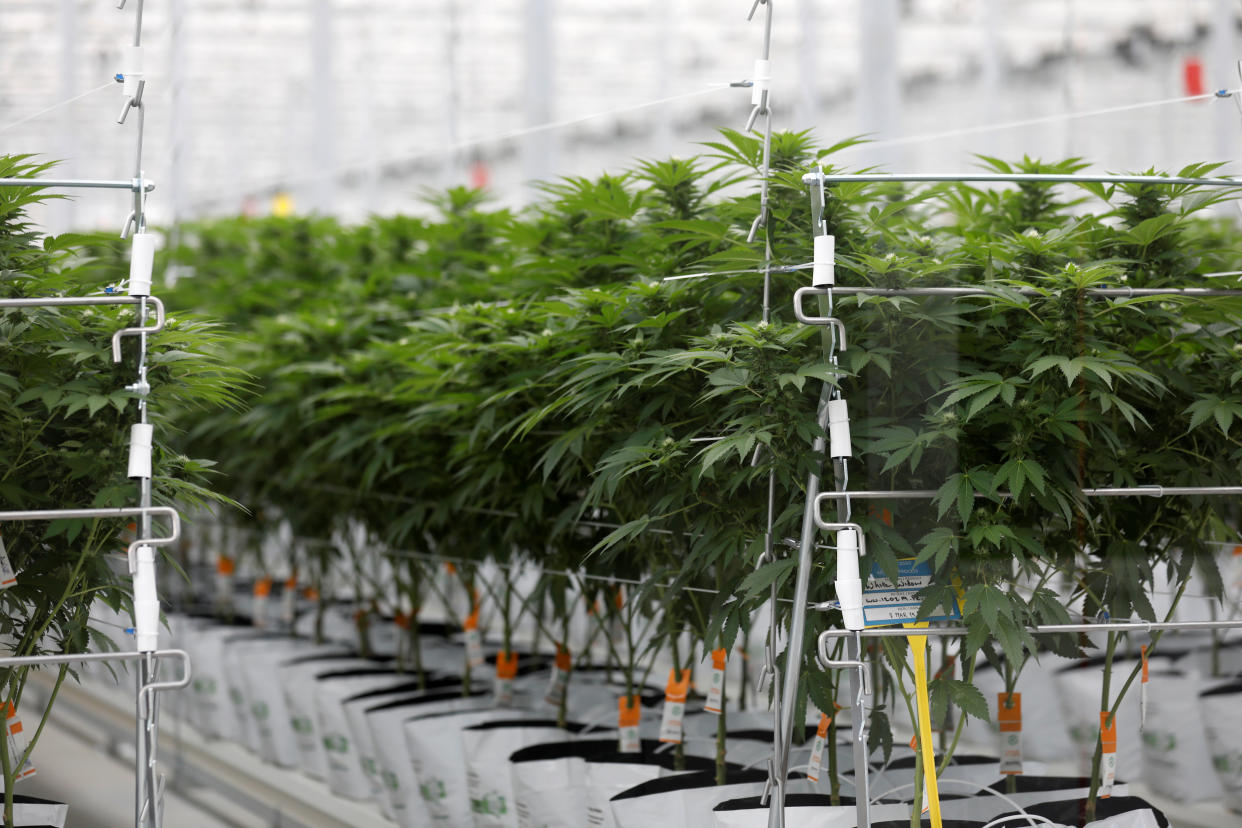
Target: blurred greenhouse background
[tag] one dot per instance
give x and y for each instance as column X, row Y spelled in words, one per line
column 351, row 107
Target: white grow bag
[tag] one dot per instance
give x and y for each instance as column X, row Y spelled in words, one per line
column 436, row 753
column 356, row 707
column 803, row 811
column 1045, row 734
column 549, row 781
column 33, row 812
column 687, row 800
column 345, row 774
column 486, row 748
column 402, row 800
column 1177, row 761
column 297, row 680
column 609, row 774
column 1222, row 717
column 961, row 801
column 1114, row 812
column 268, row 710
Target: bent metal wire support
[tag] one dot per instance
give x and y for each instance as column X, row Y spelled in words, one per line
column 80, row 301
column 998, row 290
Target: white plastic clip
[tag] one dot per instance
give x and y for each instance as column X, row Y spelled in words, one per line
column 131, row 72
column 140, row 436
column 824, row 273
column 141, row 263
column 838, row 430
column 849, row 584
column 761, row 81
column 146, row 601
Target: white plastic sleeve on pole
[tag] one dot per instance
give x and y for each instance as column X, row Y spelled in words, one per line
column 838, row 430
column 759, row 83
column 847, row 555
column 849, row 594
column 131, row 71
column 146, row 601
column 824, row 272
column 141, row 263
column 140, row 437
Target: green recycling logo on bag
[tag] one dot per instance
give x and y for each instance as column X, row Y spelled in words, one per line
column 492, row 804
column 336, row 743
column 433, row 790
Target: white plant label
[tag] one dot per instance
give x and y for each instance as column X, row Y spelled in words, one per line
column 715, row 693
column 630, row 743
column 288, row 600
column 670, row 721
column 1108, row 755
column 17, row 742
column 817, row 758
column 474, row 647
column 557, row 687
column 504, row 692
column 7, row 576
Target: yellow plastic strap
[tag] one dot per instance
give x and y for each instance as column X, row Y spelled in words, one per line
column 918, row 647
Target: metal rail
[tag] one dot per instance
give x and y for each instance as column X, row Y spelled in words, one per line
column 1014, row 178
column 928, row 494
column 1110, row 293
column 827, row 636
column 87, row 301
column 132, row 184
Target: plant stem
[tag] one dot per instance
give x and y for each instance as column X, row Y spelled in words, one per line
column 1098, row 756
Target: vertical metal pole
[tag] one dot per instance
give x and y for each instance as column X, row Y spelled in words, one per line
column 322, row 91
column 538, row 150
column 1222, row 73
column 69, row 52
column 879, row 88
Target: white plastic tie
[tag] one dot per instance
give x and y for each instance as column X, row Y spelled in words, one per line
column 848, row 583
column 823, row 272
column 141, row 263
column 838, row 430
column 131, row 71
column 146, row 601
column 761, row 80
column 140, row 438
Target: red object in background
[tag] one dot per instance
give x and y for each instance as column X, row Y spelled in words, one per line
column 480, row 175
column 1192, row 74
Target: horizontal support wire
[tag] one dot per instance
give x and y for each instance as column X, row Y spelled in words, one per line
column 1038, row 629
column 72, row 658
column 1014, row 178
column 1111, row 293
column 131, row 184
column 85, row 514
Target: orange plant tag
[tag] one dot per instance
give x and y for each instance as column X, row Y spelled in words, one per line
column 564, row 661
column 401, row 620
column 675, row 692
column 450, row 568
column 1009, row 716
column 225, row 565
column 715, row 693
column 560, row 676
column 1108, row 754
column 263, row 587
column 506, row 672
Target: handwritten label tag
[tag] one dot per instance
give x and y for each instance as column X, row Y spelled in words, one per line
column 885, row 604
column 559, row 684
column 629, row 714
column 1108, row 755
column 715, row 693
column 7, row 576
column 18, row 743
column 506, row 672
column 674, row 706
column 288, row 600
column 1009, row 715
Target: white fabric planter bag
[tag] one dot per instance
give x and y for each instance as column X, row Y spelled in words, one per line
column 356, row 707
column 549, row 782
column 268, row 709
column 980, row 771
column 237, row 687
column 803, row 811
column 687, row 800
column 1198, row 662
column 402, row 801
column 961, row 801
column 33, row 812
column 486, row 748
column 1114, row 812
column 435, row 748
column 1222, row 717
column 1045, row 734
column 213, row 711
column 1177, row 762
column 345, row 774
column 297, row 680
column 609, row 774
column 1079, row 691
